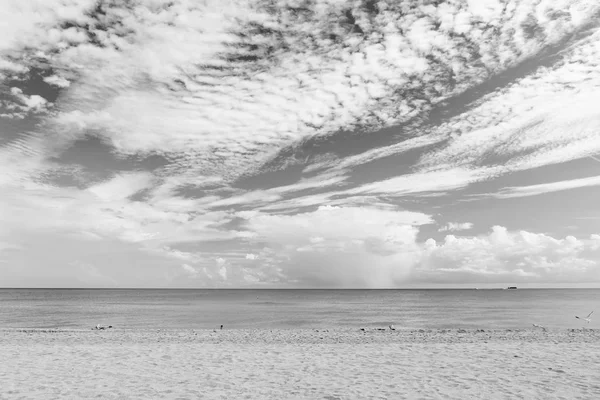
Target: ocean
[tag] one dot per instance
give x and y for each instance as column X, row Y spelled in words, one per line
column 209, row 308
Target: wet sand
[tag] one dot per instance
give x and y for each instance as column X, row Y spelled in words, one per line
column 300, row 364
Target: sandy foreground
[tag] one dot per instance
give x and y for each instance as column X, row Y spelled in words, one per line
column 300, row 364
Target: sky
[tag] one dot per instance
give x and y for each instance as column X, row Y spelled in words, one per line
column 299, row 144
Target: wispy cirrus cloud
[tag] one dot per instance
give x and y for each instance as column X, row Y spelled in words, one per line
column 150, row 83
column 535, row 190
column 551, row 119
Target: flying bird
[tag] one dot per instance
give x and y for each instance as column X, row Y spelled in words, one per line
column 586, row 319
column 539, row 326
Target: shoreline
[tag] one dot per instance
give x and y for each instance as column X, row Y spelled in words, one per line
column 303, row 336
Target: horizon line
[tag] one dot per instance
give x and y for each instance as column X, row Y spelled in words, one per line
column 284, row 288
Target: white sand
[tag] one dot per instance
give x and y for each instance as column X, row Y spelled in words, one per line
column 300, row 364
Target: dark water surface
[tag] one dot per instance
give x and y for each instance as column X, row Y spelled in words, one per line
column 208, row 308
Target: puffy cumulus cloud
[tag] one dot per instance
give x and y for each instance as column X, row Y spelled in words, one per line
column 331, row 221
column 377, row 248
column 233, row 269
column 503, row 256
column 338, row 246
column 34, row 102
column 57, row 80
column 456, row 226
column 20, row 105
column 595, row 242
column 223, row 272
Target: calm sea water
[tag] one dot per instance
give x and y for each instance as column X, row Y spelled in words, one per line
column 139, row 309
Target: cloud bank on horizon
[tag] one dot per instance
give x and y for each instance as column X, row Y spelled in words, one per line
column 299, row 143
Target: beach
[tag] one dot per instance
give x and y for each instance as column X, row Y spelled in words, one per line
column 300, row 364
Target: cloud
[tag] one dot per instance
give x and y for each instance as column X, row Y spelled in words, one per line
column 536, row 190
column 381, row 250
column 190, row 270
column 331, row 221
column 222, row 86
column 28, row 23
column 456, row 226
column 33, row 102
column 22, row 104
column 382, row 152
column 433, row 181
column 106, row 210
column 217, row 89
column 58, row 81
column 254, row 197
column 550, row 118
column 122, row 186
column 545, row 117
column 337, row 246
column 503, row 256
column 222, row 267
column 331, row 247
column 325, row 180
column 148, row 92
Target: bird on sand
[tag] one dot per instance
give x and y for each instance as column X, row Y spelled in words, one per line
column 586, row 319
